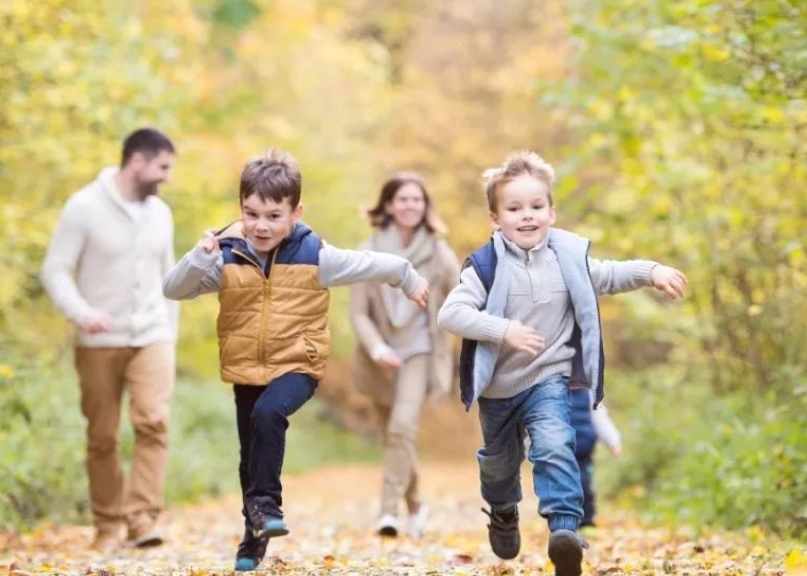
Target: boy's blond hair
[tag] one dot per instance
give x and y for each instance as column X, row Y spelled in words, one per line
column 273, row 175
column 518, row 163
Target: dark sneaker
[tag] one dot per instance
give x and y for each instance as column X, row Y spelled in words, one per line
column 566, row 552
column 505, row 539
column 251, row 551
column 265, row 524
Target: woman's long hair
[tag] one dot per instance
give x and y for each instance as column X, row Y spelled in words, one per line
column 378, row 213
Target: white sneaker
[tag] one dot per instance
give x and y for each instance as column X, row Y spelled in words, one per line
column 416, row 524
column 388, row 525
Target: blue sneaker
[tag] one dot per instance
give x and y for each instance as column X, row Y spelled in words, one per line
column 271, row 528
column 251, row 551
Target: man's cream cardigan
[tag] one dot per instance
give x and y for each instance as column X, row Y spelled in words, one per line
column 102, row 259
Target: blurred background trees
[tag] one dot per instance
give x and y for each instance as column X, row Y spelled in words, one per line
column 678, row 131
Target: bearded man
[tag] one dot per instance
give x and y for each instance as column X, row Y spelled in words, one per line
column 103, row 271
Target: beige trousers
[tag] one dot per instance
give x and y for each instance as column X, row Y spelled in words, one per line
column 399, row 425
column 147, row 374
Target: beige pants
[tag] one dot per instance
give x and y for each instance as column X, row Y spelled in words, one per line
column 147, row 374
column 399, row 424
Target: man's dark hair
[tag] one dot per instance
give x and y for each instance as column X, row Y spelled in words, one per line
column 148, row 142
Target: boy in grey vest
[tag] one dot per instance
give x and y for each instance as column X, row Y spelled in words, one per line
column 526, row 307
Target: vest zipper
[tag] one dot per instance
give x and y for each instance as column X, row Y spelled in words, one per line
column 267, row 292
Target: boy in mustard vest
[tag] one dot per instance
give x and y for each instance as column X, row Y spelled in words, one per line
column 527, row 308
column 272, row 274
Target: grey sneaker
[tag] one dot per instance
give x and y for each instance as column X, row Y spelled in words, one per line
column 566, row 552
column 505, row 539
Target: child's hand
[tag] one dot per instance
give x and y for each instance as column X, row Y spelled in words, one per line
column 616, row 449
column 668, row 280
column 209, row 241
column 523, row 338
column 420, row 293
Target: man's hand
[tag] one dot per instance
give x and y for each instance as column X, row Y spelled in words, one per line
column 523, row 338
column 97, row 323
column 209, row 241
column 420, row 293
column 668, row 280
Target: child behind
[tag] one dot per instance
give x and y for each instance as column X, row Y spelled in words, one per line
column 590, row 426
column 526, row 307
column 272, row 275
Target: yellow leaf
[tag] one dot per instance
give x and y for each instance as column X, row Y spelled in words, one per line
column 796, row 562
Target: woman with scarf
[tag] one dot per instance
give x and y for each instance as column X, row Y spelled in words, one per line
column 401, row 357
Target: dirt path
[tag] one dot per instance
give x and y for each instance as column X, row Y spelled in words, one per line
column 331, row 514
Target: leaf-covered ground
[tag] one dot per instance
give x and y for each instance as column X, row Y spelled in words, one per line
column 331, row 514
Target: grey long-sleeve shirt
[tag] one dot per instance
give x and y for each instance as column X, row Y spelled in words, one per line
column 538, row 298
column 199, row 272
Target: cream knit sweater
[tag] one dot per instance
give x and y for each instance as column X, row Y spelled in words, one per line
column 104, row 259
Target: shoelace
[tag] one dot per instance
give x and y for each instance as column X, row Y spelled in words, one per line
column 499, row 524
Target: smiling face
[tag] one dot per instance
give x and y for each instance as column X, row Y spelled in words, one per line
column 523, row 212
column 408, row 207
column 266, row 222
column 150, row 172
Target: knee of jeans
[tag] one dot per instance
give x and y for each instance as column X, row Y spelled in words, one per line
column 263, row 414
column 500, row 465
column 559, row 442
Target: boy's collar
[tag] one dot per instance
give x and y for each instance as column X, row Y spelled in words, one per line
column 518, row 250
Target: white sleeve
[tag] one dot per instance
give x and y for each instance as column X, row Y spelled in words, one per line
column 63, row 255
column 606, row 430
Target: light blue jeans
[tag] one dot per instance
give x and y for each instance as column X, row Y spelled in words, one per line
column 542, row 412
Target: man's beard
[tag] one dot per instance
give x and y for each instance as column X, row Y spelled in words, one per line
column 146, row 189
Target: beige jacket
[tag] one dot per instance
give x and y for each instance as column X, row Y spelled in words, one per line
column 372, row 327
column 101, row 259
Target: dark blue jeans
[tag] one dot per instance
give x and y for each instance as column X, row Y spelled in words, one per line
column 262, row 413
column 542, row 412
column 586, row 464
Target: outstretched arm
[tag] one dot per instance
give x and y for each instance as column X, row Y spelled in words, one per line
column 338, row 267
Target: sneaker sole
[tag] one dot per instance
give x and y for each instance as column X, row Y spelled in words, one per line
column 271, row 530
column 388, row 531
column 245, row 565
column 566, row 554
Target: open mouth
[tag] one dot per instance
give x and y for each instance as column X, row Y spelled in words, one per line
column 527, row 228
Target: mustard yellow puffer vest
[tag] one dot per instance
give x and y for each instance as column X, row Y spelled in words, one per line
column 274, row 324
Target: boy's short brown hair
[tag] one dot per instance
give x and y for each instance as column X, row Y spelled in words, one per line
column 274, row 175
column 518, row 163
